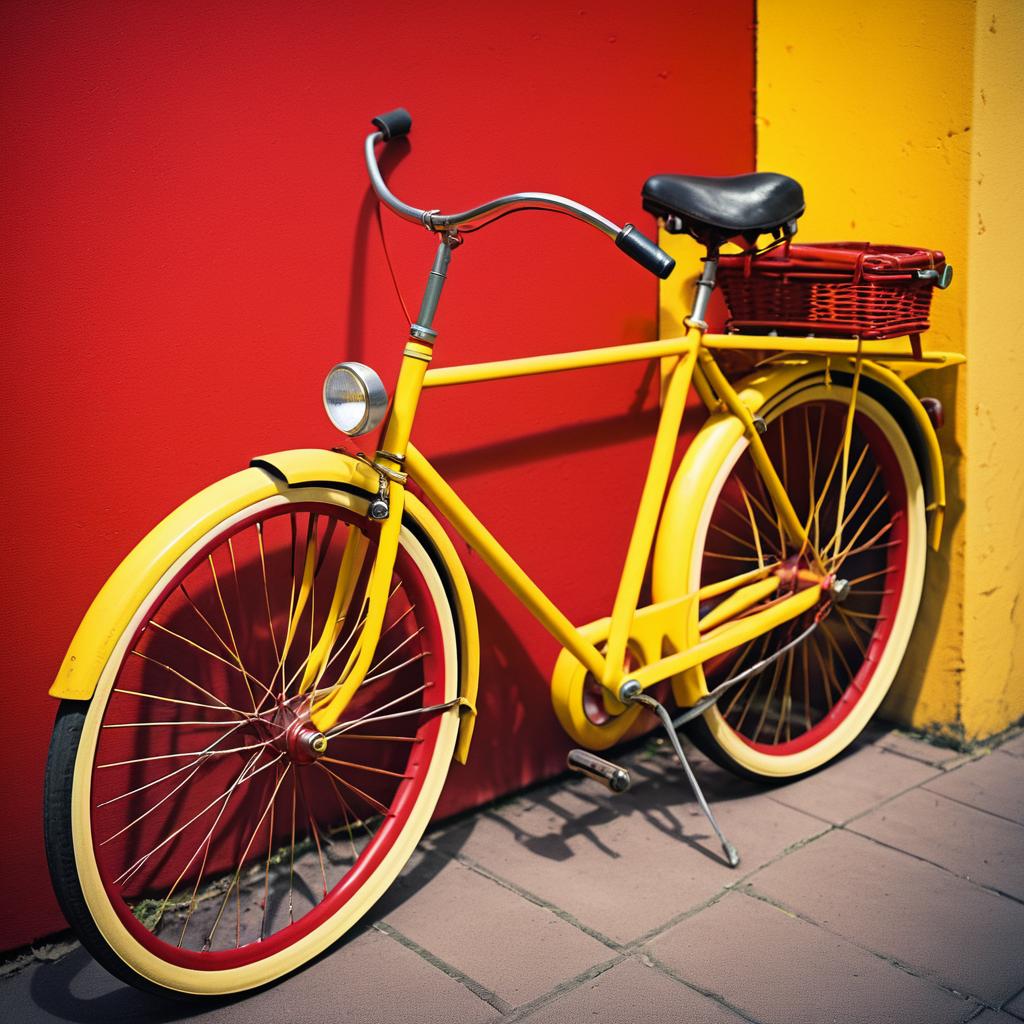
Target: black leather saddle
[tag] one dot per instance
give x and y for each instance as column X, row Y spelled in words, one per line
column 716, row 209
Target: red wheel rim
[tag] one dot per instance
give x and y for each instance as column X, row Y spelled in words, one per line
column 798, row 700
column 201, row 883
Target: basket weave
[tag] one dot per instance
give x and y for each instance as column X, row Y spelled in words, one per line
column 840, row 289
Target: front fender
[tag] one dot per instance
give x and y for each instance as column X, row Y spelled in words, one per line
column 117, row 601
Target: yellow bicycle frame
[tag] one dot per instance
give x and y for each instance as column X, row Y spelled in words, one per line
column 692, row 362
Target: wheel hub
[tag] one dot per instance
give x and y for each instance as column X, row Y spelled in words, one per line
column 292, row 733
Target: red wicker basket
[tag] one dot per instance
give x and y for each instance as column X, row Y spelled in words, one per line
column 839, row 289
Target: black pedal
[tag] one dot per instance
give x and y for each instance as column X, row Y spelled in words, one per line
column 597, row 768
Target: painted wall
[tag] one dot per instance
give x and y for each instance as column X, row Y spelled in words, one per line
column 190, row 245
column 994, row 576
column 902, row 122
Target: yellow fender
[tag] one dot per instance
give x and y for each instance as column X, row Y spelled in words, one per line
column 114, row 605
column 705, row 460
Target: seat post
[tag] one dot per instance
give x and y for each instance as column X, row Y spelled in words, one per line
column 705, row 286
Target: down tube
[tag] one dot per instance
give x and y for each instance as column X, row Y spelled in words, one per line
column 500, row 561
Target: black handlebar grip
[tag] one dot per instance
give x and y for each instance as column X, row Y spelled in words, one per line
column 639, row 247
column 394, row 124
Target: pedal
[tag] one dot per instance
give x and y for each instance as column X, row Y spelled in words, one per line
column 597, row 768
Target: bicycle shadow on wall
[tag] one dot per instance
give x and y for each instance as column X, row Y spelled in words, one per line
column 919, row 661
column 362, row 235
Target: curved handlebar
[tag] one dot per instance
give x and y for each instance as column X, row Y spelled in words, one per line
column 398, row 123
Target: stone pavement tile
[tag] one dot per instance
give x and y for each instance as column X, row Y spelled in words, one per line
column 993, row 1017
column 371, row 979
column 854, row 784
column 632, row 992
column 781, row 970
column 1014, row 746
column 1016, row 1005
column 918, row 749
column 625, row 865
column 938, row 925
column 511, row 946
column 994, row 783
column 968, row 842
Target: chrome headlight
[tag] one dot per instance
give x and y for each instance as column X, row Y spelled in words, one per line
column 354, row 398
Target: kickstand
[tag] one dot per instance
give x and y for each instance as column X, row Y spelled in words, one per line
column 731, row 854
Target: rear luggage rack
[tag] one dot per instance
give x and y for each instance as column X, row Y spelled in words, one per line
column 833, row 289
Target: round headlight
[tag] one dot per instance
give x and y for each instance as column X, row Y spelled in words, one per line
column 354, row 398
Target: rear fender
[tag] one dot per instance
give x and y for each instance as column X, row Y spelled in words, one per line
column 761, row 390
column 704, row 461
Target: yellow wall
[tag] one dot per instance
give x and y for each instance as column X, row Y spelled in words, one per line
column 902, row 121
column 993, row 693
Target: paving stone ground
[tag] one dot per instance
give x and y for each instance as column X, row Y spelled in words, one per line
column 888, row 888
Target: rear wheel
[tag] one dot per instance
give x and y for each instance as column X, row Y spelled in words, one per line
column 202, row 836
column 804, row 707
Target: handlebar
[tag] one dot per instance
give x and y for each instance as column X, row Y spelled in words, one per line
column 398, row 123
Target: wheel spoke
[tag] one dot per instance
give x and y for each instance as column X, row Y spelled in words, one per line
column 840, row 553
column 169, row 775
column 374, row 716
column 266, row 591
column 872, row 543
column 177, row 724
column 856, row 506
column 787, row 700
column 371, row 800
column 240, row 779
column 389, row 739
column 159, row 802
column 185, row 753
column 732, row 536
column 191, row 682
column 316, row 833
column 742, row 517
column 192, row 643
column 754, row 532
column 270, row 853
column 731, row 558
column 872, row 576
column 234, row 884
column 775, row 520
column 365, row 767
column 347, row 813
column 834, row 644
column 175, row 700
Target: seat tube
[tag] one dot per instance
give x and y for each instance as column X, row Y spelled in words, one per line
column 645, row 526
column 415, row 360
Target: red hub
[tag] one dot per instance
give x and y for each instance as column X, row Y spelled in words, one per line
column 291, row 732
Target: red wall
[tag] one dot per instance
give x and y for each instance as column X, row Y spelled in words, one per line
column 189, row 245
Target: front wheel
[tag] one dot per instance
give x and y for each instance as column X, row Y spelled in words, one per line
column 806, row 705
column 201, row 836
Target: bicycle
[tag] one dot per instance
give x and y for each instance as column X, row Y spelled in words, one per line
column 259, row 709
